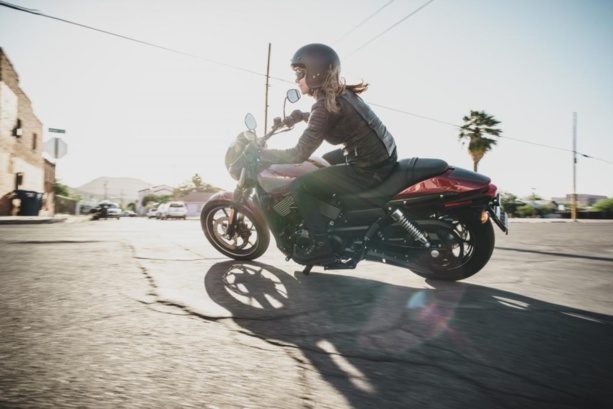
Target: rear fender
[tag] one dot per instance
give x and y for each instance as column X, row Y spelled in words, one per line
column 454, row 181
column 455, row 188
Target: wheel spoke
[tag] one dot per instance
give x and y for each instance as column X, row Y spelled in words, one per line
column 245, row 238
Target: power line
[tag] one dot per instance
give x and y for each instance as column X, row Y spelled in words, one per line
column 412, row 114
column 501, row 136
column 388, row 29
column 38, row 13
column 555, row 147
column 364, row 21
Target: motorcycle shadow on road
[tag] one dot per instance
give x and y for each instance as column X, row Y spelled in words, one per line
column 453, row 344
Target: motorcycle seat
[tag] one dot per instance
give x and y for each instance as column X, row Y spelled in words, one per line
column 406, row 173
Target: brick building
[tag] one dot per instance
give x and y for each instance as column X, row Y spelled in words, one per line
column 22, row 165
column 48, row 205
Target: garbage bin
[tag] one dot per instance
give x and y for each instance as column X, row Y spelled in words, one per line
column 31, row 202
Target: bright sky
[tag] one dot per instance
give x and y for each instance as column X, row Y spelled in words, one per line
column 133, row 110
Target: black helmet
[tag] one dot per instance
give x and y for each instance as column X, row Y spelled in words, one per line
column 318, row 60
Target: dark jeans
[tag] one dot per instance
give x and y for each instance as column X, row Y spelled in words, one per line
column 323, row 183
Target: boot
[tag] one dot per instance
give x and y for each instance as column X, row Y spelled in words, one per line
column 320, row 252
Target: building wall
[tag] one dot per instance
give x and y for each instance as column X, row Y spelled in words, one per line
column 49, row 197
column 21, row 133
column 195, row 201
column 160, row 190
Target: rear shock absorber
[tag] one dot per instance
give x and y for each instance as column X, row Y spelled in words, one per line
column 411, row 228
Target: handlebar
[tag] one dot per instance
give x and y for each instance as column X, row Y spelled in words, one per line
column 289, row 122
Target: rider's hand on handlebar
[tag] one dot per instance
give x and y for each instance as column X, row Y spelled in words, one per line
column 295, row 117
column 250, row 155
column 252, row 151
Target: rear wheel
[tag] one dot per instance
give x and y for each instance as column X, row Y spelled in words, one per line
column 460, row 249
column 250, row 240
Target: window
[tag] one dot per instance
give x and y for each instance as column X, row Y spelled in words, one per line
column 17, row 131
column 34, row 141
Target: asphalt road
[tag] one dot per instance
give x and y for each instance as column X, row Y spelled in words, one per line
column 141, row 313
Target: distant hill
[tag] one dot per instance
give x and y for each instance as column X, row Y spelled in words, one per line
column 122, row 190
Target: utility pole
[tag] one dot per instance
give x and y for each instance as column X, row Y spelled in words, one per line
column 266, row 98
column 573, row 199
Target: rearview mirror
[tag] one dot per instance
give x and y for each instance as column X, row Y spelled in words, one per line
column 250, row 122
column 293, row 95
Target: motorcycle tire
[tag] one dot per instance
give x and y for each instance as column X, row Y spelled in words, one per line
column 473, row 242
column 249, row 242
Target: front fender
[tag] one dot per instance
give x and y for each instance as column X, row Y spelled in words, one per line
column 220, row 196
column 227, row 198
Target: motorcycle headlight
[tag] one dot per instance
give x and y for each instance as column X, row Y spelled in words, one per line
column 236, row 148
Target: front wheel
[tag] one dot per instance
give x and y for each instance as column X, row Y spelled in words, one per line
column 461, row 248
column 250, row 240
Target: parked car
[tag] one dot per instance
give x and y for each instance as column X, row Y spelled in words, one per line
column 159, row 214
column 128, row 213
column 106, row 210
column 172, row 210
column 152, row 212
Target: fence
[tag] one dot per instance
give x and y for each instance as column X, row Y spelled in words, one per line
column 66, row 205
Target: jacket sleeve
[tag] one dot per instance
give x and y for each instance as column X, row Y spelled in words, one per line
column 311, row 139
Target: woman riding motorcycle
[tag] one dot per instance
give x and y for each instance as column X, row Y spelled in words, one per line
column 338, row 116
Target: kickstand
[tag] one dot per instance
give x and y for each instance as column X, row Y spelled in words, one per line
column 307, row 270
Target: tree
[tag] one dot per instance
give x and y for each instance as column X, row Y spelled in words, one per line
column 60, row 189
column 510, row 203
column 151, row 198
column 196, row 185
column 197, row 181
column 604, row 205
column 148, row 199
column 475, row 127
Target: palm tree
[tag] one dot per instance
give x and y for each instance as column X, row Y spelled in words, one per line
column 475, row 127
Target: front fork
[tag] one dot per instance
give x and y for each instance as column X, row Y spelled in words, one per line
column 232, row 228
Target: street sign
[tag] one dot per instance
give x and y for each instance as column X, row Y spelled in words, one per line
column 57, row 130
column 56, row 147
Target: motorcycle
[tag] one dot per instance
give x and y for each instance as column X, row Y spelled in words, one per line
column 429, row 217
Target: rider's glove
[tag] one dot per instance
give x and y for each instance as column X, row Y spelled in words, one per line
column 295, row 117
column 251, row 155
column 252, row 152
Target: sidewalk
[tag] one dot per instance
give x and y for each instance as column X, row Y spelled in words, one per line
column 59, row 218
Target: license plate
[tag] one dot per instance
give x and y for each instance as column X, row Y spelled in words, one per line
column 500, row 216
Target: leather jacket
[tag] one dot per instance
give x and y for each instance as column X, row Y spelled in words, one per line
column 366, row 141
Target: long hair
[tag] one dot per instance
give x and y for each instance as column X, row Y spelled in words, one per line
column 334, row 86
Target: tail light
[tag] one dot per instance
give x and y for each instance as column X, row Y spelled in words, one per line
column 492, row 190
column 484, row 217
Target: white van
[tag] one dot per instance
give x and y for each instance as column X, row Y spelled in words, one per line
column 172, row 210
